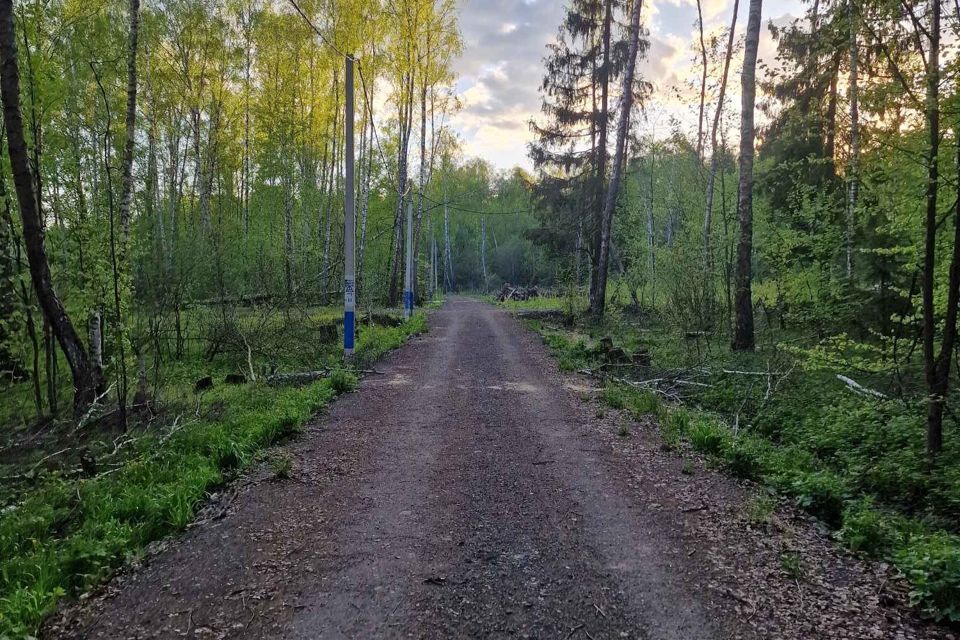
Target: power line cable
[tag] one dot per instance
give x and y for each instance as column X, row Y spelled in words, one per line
column 324, row 38
column 456, row 207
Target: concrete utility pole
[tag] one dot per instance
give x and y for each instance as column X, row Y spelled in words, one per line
column 349, row 221
column 408, row 278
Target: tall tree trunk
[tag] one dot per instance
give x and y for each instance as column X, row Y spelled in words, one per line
column 126, row 198
column 433, row 257
column 50, row 367
column 153, row 212
column 715, row 161
column 32, row 334
column 448, row 277
column 423, row 181
column 483, row 250
column 743, row 339
column 287, row 186
column 703, row 80
column 130, row 122
column 10, row 362
column 334, row 180
column 830, row 150
column 248, row 44
column 601, row 150
column 598, row 302
column 86, row 379
column 936, row 367
column 406, row 123
column 651, row 233
column 365, row 200
column 853, row 178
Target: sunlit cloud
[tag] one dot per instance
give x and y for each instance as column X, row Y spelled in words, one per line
column 505, row 41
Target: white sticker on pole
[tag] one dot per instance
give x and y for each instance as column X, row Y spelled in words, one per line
column 349, row 289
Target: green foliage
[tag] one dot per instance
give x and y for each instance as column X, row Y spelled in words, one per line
column 790, row 565
column 760, row 509
column 67, row 536
column 855, row 462
column 708, row 437
column 868, row 530
column 639, row 403
column 281, row 465
column 342, row 381
column 932, row 565
column 821, row 493
column 745, row 457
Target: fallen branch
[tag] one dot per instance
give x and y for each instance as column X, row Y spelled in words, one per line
column 753, row 373
column 89, row 415
column 856, row 387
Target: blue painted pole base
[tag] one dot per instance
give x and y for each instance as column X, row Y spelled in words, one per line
column 349, row 331
column 407, row 304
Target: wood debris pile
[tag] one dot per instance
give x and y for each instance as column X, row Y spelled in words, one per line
column 517, row 292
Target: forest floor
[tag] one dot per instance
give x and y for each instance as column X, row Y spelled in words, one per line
column 472, row 490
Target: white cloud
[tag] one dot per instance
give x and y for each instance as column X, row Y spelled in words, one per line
column 505, row 41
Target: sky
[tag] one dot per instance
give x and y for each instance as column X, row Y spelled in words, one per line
column 501, row 67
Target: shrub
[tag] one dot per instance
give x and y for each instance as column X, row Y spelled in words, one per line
column 821, row 493
column 761, row 509
column 342, row 381
column 932, row 565
column 281, row 465
column 644, row 403
column 615, row 396
column 708, row 437
column 867, row 530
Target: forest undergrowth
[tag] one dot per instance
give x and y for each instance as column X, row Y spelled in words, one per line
column 71, row 517
column 812, row 420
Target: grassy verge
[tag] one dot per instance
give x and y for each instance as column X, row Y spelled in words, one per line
column 67, row 535
column 855, row 462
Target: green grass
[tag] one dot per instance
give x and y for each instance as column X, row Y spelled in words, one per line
column 855, row 463
column 68, row 535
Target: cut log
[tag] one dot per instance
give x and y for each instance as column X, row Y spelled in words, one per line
column 511, row 292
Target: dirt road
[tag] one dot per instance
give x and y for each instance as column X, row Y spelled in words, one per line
column 470, row 491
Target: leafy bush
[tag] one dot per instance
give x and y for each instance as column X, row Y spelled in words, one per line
column 932, row 565
column 821, row 493
column 342, row 381
column 867, row 530
column 708, row 436
column 281, row 465
column 744, row 457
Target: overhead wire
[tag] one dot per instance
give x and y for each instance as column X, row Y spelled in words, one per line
column 363, row 84
column 367, row 99
column 316, row 30
column 457, row 207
